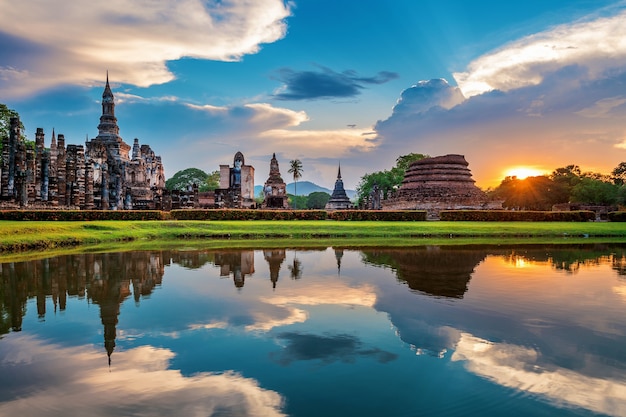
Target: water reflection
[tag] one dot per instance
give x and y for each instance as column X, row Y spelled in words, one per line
column 439, row 271
column 226, row 328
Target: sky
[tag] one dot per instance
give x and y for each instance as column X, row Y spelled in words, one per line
column 539, row 84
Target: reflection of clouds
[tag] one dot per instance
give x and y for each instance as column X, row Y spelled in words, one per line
column 265, row 321
column 323, row 293
column 326, row 348
column 315, row 294
column 73, row 380
column 517, row 367
column 620, row 290
column 208, row 326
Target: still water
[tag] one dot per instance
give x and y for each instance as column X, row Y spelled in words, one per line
column 426, row 331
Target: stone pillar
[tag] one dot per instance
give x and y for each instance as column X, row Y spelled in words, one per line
column 39, row 150
column 53, row 191
column 61, row 175
column 89, row 203
column 45, row 175
column 9, row 149
column 29, row 175
column 79, row 198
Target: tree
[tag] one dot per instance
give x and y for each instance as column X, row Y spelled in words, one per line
column 183, row 179
column 618, row 175
column 317, row 200
column 5, row 125
column 387, row 181
column 295, row 168
column 212, row 182
column 297, row 200
column 531, row 193
column 595, row 191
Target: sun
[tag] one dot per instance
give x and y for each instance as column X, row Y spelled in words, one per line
column 522, row 172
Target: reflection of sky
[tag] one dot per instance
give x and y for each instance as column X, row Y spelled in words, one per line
column 139, row 383
column 521, row 326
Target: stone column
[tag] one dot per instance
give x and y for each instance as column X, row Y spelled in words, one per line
column 61, row 172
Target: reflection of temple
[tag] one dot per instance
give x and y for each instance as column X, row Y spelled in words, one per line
column 274, row 258
column 237, row 263
column 439, row 271
column 274, row 189
column 105, row 280
column 236, row 185
column 338, row 256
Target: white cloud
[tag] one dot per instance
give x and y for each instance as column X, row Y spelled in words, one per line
column 555, row 102
column 71, row 380
column 520, row 368
column 134, row 40
column 602, row 108
column 597, row 44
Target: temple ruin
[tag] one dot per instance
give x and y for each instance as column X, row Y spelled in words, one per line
column 339, row 199
column 102, row 175
column 275, row 189
column 236, row 185
column 439, row 183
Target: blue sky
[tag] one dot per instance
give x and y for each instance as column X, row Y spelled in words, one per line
column 538, row 84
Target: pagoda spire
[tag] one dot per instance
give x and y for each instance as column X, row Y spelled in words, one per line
column 108, row 129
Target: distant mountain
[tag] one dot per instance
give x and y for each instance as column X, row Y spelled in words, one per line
column 306, row 188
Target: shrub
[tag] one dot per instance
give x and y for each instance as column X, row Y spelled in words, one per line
column 82, row 215
column 369, row 215
column 617, row 216
column 516, row 216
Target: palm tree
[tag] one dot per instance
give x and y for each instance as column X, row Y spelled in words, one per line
column 295, row 169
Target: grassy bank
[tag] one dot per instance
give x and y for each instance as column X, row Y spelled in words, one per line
column 27, row 236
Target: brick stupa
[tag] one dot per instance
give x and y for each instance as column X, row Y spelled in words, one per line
column 439, row 183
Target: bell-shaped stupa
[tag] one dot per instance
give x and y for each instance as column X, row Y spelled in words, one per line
column 439, row 183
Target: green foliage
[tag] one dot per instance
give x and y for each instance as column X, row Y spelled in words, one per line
column 212, row 182
column 82, row 215
column 387, row 181
column 516, row 216
column 618, row 175
column 590, row 190
column 5, row 124
column 183, row 179
column 248, row 214
column 296, row 201
column 317, row 200
column 532, row 193
column 295, row 168
column 617, row 216
column 379, row 215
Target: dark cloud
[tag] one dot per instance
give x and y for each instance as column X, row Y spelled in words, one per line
column 325, row 83
column 326, row 348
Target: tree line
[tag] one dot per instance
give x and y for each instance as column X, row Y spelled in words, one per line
column 564, row 185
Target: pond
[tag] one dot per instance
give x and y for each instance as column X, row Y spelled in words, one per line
column 331, row 331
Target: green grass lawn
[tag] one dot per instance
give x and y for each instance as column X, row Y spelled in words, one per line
column 28, row 236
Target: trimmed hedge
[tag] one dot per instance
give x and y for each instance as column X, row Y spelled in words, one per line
column 339, row 215
column 225, row 214
column 82, row 215
column 617, row 216
column 377, row 215
column 516, row 216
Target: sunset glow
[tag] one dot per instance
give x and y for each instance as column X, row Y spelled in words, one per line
column 522, row 172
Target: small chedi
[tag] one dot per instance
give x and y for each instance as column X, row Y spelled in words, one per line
column 101, row 175
column 439, row 183
column 236, row 185
column 339, row 200
column 275, row 189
